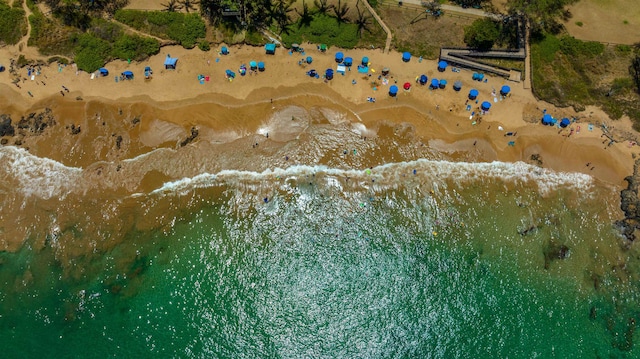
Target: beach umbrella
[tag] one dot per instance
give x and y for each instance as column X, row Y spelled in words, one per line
column 393, row 90
column 260, row 66
column 339, row 57
column 103, row 71
column 253, row 65
column 547, row 119
column 423, row 79
column 505, row 90
column 406, row 57
column 128, row 75
column 435, row 83
column 443, row 83
column 309, row 59
column 328, row 74
column 2, row 68
column 442, row 65
column 406, row 86
column 365, row 61
column 224, row 50
column 565, row 122
column 323, row 47
column 312, row 73
column 457, row 86
column 230, row 74
column 485, row 106
column 473, row 94
column 348, row 61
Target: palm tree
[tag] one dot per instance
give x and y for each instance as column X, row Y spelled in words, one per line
column 172, row 6
column 189, row 4
column 340, row 11
column 280, row 14
column 305, row 16
column 362, row 20
column 322, row 7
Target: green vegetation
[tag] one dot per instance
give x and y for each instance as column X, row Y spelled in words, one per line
column 482, row 34
column 324, row 29
column 544, row 15
column 570, row 72
column 49, row 36
column 579, row 23
column 13, row 25
column 186, row 29
column 204, row 45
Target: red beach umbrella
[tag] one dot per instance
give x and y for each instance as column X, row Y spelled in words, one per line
column 407, row 86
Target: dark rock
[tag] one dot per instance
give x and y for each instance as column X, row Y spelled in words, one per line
column 36, row 123
column 554, row 251
column 118, row 142
column 630, row 205
column 135, row 121
column 4, row 141
column 18, row 142
column 75, row 129
column 194, row 134
column 6, row 128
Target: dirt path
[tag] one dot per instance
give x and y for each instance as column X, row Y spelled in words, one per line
column 163, row 42
column 386, row 29
column 25, row 39
column 527, row 60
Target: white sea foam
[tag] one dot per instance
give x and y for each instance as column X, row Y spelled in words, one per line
column 393, row 175
column 37, row 176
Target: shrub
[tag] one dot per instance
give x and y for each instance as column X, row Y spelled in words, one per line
column 91, row 52
column 133, row 47
column 482, row 34
column 58, row 59
column 186, row 29
column 579, row 23
column 204, row 45
column 12, row 25
column 324, row 29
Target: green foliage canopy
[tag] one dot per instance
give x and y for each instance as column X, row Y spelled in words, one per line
column 12, row 24
column 481, row 34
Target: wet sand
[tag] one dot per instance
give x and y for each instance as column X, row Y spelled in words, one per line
column 135, row 135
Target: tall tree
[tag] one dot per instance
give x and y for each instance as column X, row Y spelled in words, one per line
column 322, row 6
column 189, row 5
column 305, row 15
column 280, row 11
column 544, row 15
column 634, row 71
column 481, row 34
column 340, row 12
column 172, row 6
column 211, row 10
column 362, row 21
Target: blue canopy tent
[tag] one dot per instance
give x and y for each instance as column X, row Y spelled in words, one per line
column 442, row 65
column 423, row 80
column 103, row 71
column 485, row 106
column 457, row 86
column 260, row 66
column 443, row 83
column 547, row 119
column 253, row 65
column 224, row 50
column 435, row 83
column 505, row 90
column 473, row 94
column 406, row 57
column 393, row 90
column 128, row 75
column 309, row 59
column 339, row 57
column 230, row 74
column 170, row 63
column 348, row 61
column 565, row 122
column 270, row 49
column 365, row 61
column 312, row 73
column 477, row 76
column 328, row 74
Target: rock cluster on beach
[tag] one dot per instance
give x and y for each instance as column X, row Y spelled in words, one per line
column 33, row 124
column 630, row 205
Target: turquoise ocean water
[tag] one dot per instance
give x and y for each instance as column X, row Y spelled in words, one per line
column 427, row 258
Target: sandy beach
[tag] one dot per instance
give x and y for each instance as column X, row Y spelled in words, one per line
column 259, row 121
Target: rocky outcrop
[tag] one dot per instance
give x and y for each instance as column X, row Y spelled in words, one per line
column 6, row 128
column 188, row 140
column 36, row 123
column 630, row 205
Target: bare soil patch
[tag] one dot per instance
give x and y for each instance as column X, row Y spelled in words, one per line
column 613, row 21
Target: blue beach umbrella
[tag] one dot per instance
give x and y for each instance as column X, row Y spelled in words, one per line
column 473, row 94
column 423, row 79
column 443, row 83
column 505, row 90
column 457, row 86
column 406, row 57
column 365, row 61
column 393, row 90
column 329, row 74
column 442, row 65
column 565, row 122
column 547, row 119
column 435, row 83
column 485, row 106
column 348, row 61
column 260, row 66
column 253, row 65
column 339, row 57
column 309, row 59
